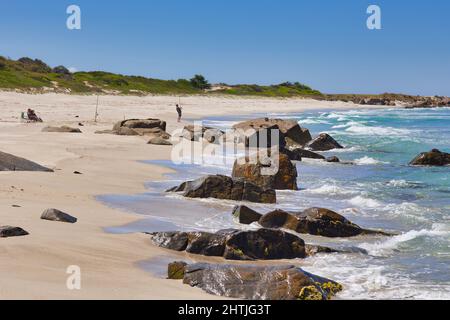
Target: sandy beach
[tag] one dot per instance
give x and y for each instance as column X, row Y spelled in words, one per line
column 34, row 267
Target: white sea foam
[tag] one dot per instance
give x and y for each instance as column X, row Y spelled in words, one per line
column 400, row 184
column 368, row 161
column 363, row 202
column 361, row 129
column 331, row 190
column 384, row 248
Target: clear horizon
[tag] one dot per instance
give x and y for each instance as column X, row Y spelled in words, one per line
column 324, row 44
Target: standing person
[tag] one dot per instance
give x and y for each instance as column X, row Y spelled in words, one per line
column 180, row 112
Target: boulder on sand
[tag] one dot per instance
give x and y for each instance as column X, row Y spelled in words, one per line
column 194, row 133
column 256, row 282
column 226, row 188
column 291, row 131
column 140, row 127
column 284, row 176
column 432, row 158
column 8, row 162
column 324, row 142
column 159, row 141
column 63, row 129
column 316, row 221
column 245, row 215
column 57, row 215
column 262, row 244
column 8, row 232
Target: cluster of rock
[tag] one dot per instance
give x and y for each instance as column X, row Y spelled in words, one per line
column 432, row 158
column 63, row 129
column 195, row 133
column 232, row 244
column 314, row 221
column 155, row 129
column 430, row 102
column 294, row 141
column 255, row 282
column 9, row 162
column 225, row 188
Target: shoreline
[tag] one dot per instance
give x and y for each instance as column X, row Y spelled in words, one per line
column 110, row 165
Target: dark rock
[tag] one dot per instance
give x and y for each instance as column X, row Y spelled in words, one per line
column 264, row 244
column 260, row 282
column 245, row 215
column 432, row 158
column 8, row 232
column 333, row 159
column 77, row 172
column 226, row 188
column 298, row 154
column 285, row 177
column 312, row 250
column 63, row 129
column 315, row 221
column 176, row 270
column 177, row 241
column 324, row 142
column 57, row 215
column 8, row 162
column 206, row 244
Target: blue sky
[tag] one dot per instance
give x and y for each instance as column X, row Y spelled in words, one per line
column 323, row 43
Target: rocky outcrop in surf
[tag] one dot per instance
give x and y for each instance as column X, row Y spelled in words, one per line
column 314, row 221
column 291, row 134
column 324, row 142
column 225, row 188
column 284, row 176
column 255, row 282
column 9, row 162
column 262, row 244
column 433, row 158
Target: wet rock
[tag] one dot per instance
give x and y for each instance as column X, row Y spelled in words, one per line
column 57, row 215
column 298, row 154
column 176, row 270
column 206, row 244
column 8, row 232
column 284, row 176
column 245, row 215
column 324, row 142
column 63, row 129
column 264, row 244
column 260, row 282
column 432, row 158
column 177, row 241
column 226, row 188
column 333, row 159
column 9, row 162
column 312, row 250
column 315, row 221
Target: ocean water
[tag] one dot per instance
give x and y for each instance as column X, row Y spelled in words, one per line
column 379, row 191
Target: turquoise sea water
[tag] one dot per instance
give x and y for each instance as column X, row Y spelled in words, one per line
column 379, row 190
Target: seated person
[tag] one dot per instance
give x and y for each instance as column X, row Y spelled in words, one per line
column 32, row 116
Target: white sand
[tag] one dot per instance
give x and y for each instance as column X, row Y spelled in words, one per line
column 34, row 267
